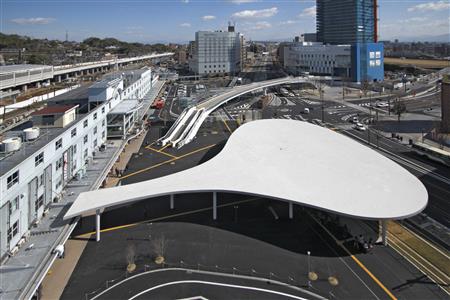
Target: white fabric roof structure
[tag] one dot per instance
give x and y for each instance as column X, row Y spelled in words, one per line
column 291, row 161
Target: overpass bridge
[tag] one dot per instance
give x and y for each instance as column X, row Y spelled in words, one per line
column 185, row 128
column 14, row 76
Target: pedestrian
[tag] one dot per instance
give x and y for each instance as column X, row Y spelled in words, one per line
column 116, row 170
column 366, row 247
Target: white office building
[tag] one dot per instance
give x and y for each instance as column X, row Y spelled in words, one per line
column 317, row 58
column 40, row 158
column 217, row 52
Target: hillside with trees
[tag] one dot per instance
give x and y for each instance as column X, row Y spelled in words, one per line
column 22, row 49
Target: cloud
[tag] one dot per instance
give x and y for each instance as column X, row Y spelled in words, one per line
column 243, row 1
column 430, row 6
column 255, row 26
column 261, row 25
column 288, row 22
column 414, row 27
column 185, row 24
column 208, row 18
column 33, row 21
column 308, row 12
column 185, row 1
column 254, row 14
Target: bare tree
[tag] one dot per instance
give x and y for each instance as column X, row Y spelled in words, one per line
column 131, row 257
column 159, row 246
column 365, row 86
column 399, row 108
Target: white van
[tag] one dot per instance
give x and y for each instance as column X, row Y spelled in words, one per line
column 306, row 110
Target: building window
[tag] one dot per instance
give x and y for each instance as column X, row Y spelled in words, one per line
column 95, row 130
column 12, row 179
column 41, row 179
column 103, row 134
column 48, row 120
column 38, row 203
column 58, row 144
column 103, row 110
column 85, row 123
column 95, row 116
column 13, row 230
column 85, row 139
column 74, row 148
column 85, row 153
column 14, row 205
column 58, row 164
column 38, row 159
column 73, row 132
column 103, row 122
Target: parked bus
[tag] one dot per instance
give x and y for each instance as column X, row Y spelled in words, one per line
column 432, row 153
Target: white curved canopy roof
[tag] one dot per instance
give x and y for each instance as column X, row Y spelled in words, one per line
column 291, row 161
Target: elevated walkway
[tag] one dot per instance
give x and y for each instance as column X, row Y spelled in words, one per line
column 188, row 124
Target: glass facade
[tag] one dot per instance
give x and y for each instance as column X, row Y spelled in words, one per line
column 346, row 21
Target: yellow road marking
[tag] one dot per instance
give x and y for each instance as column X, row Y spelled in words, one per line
column 226, row 125
column 167, row 161
column 159, row 151
column 168, row 144
column 372, row 276
column 387, row 291
column 167, row 217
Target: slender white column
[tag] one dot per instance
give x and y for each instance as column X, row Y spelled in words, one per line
column 214, row 205
column 384, row 232
column 97, row 225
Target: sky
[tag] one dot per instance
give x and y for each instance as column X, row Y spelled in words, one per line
column 166, row 21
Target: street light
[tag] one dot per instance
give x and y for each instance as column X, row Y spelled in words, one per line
column 312, row 276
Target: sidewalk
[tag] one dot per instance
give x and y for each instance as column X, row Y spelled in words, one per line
column 59, row 274
column 61, row 270
column 34, row 256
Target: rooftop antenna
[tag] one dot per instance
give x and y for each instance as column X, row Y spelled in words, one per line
column 67, row 35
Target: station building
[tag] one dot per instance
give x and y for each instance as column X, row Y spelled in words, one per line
column 40, row 157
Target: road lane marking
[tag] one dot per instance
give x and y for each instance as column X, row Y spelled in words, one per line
column 167, row 161
column 168, row 217
column 224, row 122
column 162, row 152
column 234, row 286
column 358, row 262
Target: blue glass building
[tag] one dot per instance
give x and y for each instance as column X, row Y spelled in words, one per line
column 353, row 22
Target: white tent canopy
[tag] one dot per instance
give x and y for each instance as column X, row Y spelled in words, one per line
column 291, row 161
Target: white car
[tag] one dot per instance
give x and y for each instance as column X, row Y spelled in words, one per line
column 382, row 104
column 360, row 127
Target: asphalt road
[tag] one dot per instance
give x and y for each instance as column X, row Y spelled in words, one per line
column 250, row 234
column 339, row 115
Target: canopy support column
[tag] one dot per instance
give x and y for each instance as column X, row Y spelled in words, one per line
column 172, row 202
column 291, row 210
column 97, row 225
column 382, row 232
column 214, row 205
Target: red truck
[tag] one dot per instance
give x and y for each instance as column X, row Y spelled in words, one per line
column 158, row 104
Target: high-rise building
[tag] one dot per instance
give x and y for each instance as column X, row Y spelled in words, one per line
column 217, row 52
column 353, row 22
column 346, row 21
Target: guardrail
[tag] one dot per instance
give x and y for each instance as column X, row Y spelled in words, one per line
column 300, row 283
